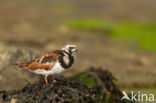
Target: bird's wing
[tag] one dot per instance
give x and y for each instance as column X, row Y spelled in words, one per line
column 44, row 61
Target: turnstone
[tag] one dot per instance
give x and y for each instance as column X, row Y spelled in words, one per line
column 51, row 63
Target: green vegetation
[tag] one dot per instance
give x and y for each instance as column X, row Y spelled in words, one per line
column 89, row 24
column 87, row 80
column 142, row 33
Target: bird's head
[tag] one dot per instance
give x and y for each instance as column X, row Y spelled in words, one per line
column 71, row 49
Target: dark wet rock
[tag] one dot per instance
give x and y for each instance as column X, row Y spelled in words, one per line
column 92, row 86
column 63, row 91
column 104, row 83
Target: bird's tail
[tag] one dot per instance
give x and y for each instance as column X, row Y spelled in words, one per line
column 21, row 65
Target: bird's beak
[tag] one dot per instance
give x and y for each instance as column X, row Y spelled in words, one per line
column 78, row 51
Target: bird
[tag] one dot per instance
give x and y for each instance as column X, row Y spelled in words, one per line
column 51, row 63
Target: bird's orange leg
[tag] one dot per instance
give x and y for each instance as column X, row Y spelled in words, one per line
column 45, row 79
column 52, row 79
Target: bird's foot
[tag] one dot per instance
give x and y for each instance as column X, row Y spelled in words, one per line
column 51, row 78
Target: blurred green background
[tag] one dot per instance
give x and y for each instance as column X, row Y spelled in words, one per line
column 117, row 35
column 143, row 33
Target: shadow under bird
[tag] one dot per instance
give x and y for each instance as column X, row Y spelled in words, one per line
column 51, row 63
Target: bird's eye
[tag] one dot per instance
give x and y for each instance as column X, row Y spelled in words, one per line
column 70, row 47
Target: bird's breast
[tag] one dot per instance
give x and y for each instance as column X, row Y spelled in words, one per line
column 66, row 61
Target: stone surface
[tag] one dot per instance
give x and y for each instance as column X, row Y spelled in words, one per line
column 91, row 86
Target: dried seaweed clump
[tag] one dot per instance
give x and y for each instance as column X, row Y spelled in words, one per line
column 92, row 86
column 105, row 84
column 63, row 91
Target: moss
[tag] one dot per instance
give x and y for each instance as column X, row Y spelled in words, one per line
column 87, row 79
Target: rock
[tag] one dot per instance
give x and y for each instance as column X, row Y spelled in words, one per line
column 104, row 82
column 63, row 91
column 9, row 74
column 93, row 86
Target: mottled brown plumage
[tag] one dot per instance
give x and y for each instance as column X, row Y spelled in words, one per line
column 44, row 61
